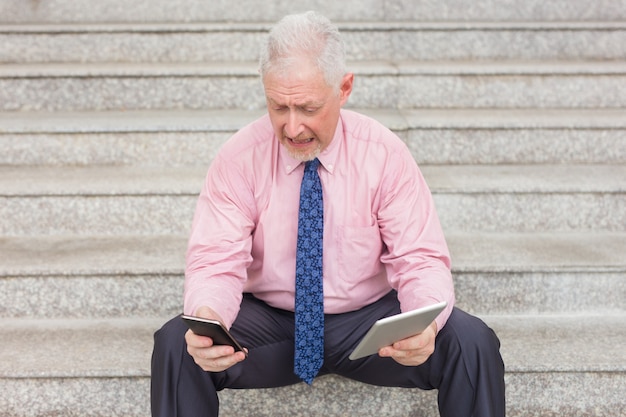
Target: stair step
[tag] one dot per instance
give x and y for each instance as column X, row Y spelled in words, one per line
column 107, row 86
column 95, row 357
column 435, row 136
column 197, row 42
column 114, row 200
column 111, row 112
column 494, row 273
column 34, row 181
column 83, row 276
column 229, row 120
column 14, row 11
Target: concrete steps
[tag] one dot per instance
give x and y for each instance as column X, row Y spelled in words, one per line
column 111, row 111
column 141, row 276
column 436, row 136
column 93, row 367
column 114, row 200
column 140, row 86
column 112, row 11
column 240, row 41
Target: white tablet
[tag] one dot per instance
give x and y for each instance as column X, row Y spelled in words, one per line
column 389, row 330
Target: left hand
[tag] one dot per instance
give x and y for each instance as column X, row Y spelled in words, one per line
column 414, row 350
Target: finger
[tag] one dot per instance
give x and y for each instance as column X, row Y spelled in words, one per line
column 420, row 341
column 216, row 352
column 412, row 343
column 406, row 358
column 197, row 341
column 221, row 362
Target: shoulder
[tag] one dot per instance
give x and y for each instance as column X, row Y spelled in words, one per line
column 364, row 131
column 366, row 128
column 249, row 151
column 256, row 136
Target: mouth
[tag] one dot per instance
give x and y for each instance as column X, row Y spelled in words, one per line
column 302, row 148
column 300, row 141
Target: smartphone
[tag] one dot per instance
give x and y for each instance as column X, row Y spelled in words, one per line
column 213, row 329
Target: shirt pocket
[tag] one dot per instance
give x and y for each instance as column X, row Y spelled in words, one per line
column 358, row 252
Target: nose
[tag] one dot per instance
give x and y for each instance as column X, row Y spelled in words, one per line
column 294, row 125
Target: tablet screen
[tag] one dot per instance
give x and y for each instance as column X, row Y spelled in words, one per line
column 388, row 330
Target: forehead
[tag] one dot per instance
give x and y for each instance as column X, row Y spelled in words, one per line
column 299, row 85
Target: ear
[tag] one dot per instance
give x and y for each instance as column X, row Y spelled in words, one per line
column 346, row 87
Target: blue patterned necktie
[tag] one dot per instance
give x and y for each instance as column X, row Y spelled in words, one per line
column 309, row 305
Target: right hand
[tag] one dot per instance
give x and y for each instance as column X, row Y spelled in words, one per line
column 210, row 357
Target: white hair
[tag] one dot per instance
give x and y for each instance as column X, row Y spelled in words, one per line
column 307, row 35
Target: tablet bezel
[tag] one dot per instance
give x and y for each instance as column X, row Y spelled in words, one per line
column 389, row 330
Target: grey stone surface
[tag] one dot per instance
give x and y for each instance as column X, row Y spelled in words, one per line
column 566, row 394
column 95, row 206
column 179, row 138
column 330, row 396
column 115, row 200
column 517, row 146
column 72, row 295
column 92, row 256
column 578, row 343
column 364, row 41
column 523, row 212
column 75, row 397
column 97, row 215
column 168, row 121
column 105, row 180
column 556, row 178
column 529, row 198
column 248, row 10
column 504, row 10
column 100, row 367
column 78, row 348
column 165, row 149
column 91, row 276
column 555, row 292
column 378, row 84
column 537, row 395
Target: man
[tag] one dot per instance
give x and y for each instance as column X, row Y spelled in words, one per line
column 381, row 251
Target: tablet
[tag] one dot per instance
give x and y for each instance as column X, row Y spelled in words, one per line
column 389, row 330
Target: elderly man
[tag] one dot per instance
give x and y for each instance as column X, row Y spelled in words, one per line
column 313, row 223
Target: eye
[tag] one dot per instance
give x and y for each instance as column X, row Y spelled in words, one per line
column 311, row 110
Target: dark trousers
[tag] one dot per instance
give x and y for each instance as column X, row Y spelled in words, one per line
column 466, row 366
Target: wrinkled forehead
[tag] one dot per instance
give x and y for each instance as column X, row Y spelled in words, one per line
column 297, row 89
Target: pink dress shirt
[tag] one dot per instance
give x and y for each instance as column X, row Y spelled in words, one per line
column 381, row 230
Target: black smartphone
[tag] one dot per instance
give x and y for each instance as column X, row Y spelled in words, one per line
column 213, row 329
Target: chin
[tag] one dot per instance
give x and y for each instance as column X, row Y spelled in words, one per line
column 305, row 155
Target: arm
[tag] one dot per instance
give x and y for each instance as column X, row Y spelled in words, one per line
column 219, row 247
column 417, row 258
column 217, row 257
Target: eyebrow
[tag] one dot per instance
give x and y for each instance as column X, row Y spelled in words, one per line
column 302, row 105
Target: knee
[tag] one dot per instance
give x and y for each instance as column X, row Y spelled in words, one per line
column 471, row 335
column 170, row 336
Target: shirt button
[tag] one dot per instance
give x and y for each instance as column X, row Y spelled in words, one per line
column 288, row 167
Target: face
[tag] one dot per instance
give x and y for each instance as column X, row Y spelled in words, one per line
column 304, row 110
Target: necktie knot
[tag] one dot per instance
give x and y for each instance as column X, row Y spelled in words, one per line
column 312, row 165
